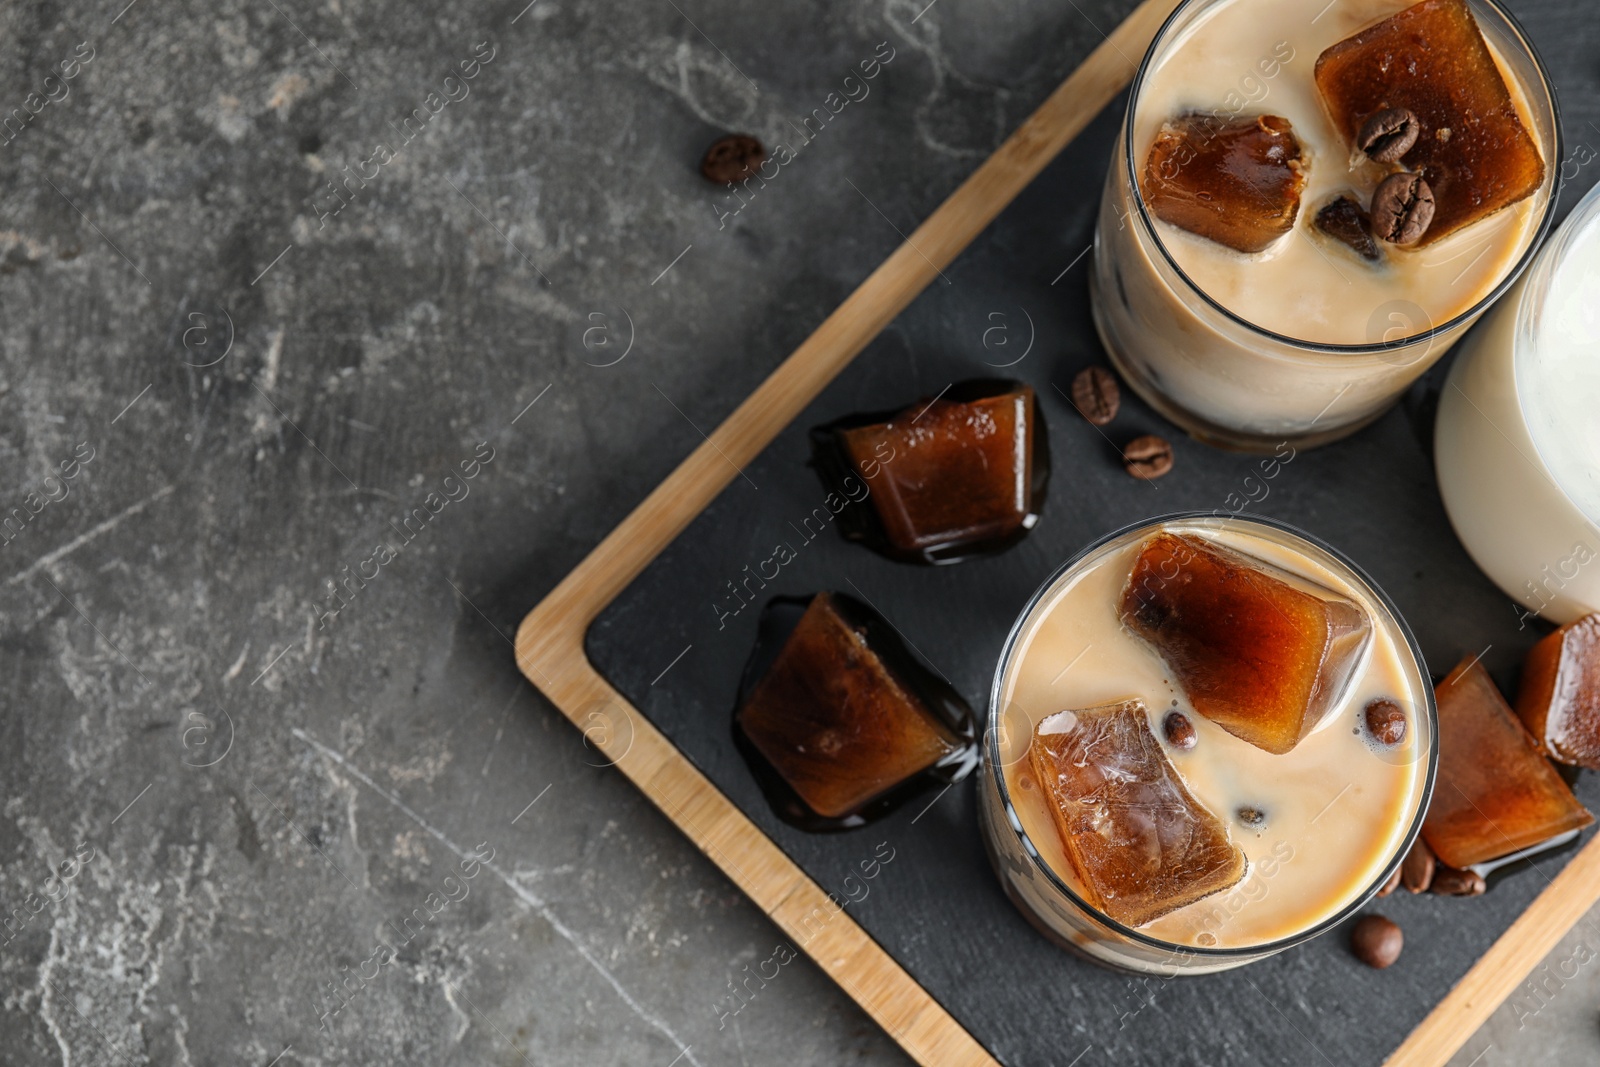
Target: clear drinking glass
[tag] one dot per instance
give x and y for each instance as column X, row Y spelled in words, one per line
column 1234, row 384
column 1049, row 900
column 1517, row 442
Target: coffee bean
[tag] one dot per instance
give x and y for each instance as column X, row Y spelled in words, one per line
column 1179, row 730
column 1402, row 208
column 1377, row 941
column 1449, row 882
column 1386, row 721
column 1388, row 135
column 1392, row 884
column 1345, row 221
column 1095, row 395
column 732, row 158
column 1147, row 457
column 1417, row 869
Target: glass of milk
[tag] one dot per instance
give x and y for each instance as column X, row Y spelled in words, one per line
column 1517, row 443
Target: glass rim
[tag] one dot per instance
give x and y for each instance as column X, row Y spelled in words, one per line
column 991, row 743
column 1374, row 348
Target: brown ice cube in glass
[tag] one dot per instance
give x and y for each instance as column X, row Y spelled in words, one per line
column 942, row 479
column 1431, row 59
column 1559, row 699
column 1237, row 182
column 843, row 714
column 1140, row 842
column 1496, row 793
column 1261, row 652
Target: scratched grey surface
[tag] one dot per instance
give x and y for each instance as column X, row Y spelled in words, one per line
column 174, row 196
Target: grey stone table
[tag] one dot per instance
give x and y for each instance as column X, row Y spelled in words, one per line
column 297, row 293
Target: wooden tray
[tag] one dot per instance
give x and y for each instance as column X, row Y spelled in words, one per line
column 745, row 842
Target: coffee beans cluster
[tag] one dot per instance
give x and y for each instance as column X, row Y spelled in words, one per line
column 1375, row 940
column 1097, row 398
column 1402, row 205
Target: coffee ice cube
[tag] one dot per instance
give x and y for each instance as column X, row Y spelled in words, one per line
column 942, row 479
column 1496, row 793
column 843, row 714
column 1472, row 147
column 1263, row 653
column 1236, row 182
column 1139, row 841
column 1559, row 699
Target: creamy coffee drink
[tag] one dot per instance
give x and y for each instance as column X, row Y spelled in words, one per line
column 1305, row 286
column 1517, row 442
column 1311, row 203
column 1213, row 733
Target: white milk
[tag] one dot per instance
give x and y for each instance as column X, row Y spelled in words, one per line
column 1517, row 444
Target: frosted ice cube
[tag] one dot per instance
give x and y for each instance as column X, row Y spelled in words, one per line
column 1140, row 842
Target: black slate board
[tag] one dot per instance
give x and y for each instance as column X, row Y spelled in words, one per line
column 936, row 907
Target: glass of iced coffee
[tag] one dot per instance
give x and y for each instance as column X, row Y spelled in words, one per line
column 1209, row 739
column 1517, row 442
column 1311, row 201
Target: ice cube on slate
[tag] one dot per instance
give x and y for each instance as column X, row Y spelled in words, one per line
column 1559, row 699
column 947, row 477
column 1472, row 147
column 835, row 721
column 1236, row 182
column 1496, row 793
column 1260, row 652
column 1140, row 842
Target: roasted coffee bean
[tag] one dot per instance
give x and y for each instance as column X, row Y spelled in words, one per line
column 1147, row 457
column 1402, row 208
column 1254, row 818
column 1179, row 730
column 1388, row 135
column 732, row 158
column 1392, row 884
column 1449, row 882
column 1095, row 395
column 1417, row 869
column 1345, row 221
column 1386, row 721
column 1377, row 941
